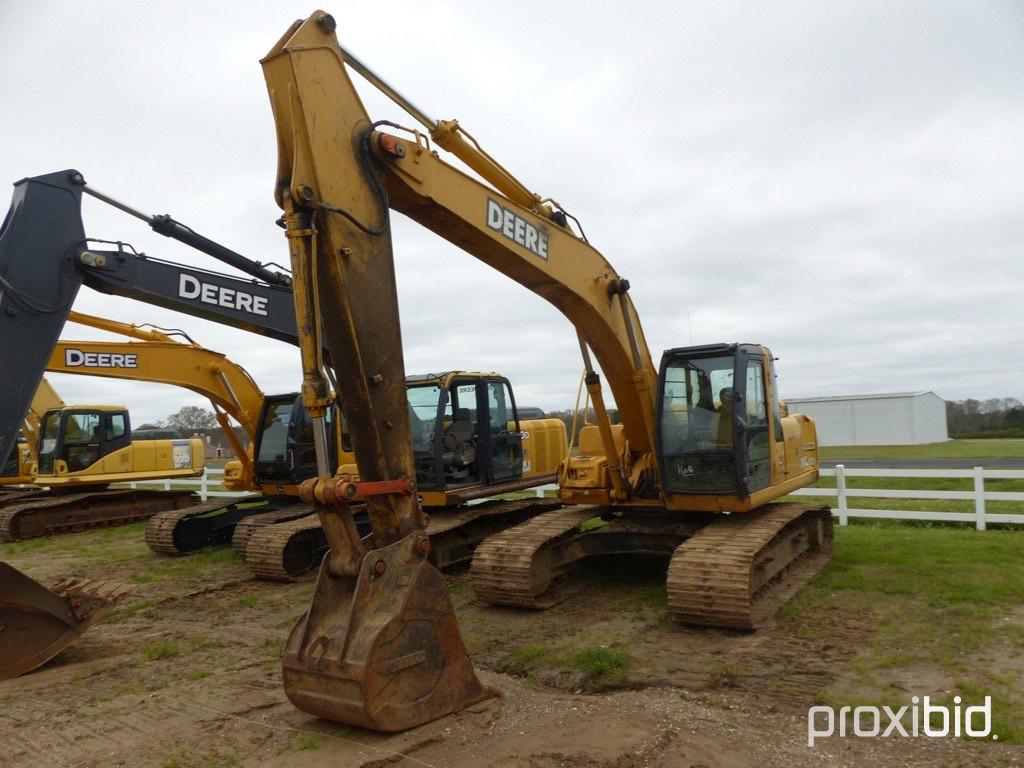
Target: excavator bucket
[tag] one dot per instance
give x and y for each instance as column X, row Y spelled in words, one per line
column 395, row 659
column 37, row 623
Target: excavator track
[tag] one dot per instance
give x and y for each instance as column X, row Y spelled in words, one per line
column 738, row 570
column 177, row 531
column 10, row 496
column 247, row 527
column 285, row 551
column 62, row 513
column 528, row 566
column 455, row 534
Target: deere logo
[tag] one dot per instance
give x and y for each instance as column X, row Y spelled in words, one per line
column 76, row 358
column 517, row 229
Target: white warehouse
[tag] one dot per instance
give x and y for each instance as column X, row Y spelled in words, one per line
column 900, row 418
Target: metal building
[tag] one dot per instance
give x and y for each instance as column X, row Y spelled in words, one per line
column 900, row 418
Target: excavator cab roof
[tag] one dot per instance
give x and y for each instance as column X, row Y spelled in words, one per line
column 445, row 377
column 79, row 408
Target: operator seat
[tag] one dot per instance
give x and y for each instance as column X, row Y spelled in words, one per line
column 462, row 428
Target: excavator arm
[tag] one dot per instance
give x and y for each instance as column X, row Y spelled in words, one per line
column 46, row 257
column 348, row 185
column 158, row 358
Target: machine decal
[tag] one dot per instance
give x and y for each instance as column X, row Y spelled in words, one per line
column 76, row 358
column 190, row 287
column 517, row 229
column 181, row 453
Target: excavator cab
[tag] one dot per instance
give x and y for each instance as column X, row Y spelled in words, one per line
column 285, row 450
column 74, row 439
column 465, row 430
column 94, row 445
column 721, row 430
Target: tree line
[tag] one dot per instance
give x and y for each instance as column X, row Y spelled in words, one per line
column 995, row 417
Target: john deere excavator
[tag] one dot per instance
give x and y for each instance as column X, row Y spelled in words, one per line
column 280, row 536
column 693, row 472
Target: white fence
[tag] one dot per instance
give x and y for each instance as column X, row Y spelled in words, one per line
column 210, row 478
column 842, row 509
column 978, row 495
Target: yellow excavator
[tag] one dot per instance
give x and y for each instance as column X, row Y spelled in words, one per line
column 693, row 472
column 279, row 536
column 76, row 452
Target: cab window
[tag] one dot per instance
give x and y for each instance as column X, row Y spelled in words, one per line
column 274, row 435
column 697, row 406
column 423, row 412
column 756, row 414
column 82, row 428
column 115, row 426
column 50, row 432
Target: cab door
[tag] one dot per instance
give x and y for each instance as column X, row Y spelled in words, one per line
column 503, row 447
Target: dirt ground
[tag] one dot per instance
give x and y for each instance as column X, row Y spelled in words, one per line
column 185, row 674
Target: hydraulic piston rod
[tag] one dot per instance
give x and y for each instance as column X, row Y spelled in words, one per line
column 169, row 227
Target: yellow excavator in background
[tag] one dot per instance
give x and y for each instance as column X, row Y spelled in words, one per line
column 278, row 535
column 76, row 453
column 692, row 472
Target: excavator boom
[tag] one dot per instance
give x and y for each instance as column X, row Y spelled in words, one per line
column 398, row 659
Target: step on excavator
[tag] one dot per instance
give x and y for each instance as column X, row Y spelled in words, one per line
column 694, row 472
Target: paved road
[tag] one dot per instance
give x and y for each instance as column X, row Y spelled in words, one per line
column 927, row 463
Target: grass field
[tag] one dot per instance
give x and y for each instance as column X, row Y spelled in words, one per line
column 951, row 449
column 948, row 605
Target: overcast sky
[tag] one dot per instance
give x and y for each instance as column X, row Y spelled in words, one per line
column 840, row 181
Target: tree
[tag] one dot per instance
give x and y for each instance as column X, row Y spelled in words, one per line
column 152, row 425
column 192, row 421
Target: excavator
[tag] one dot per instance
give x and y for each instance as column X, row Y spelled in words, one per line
column 694, row 472
column 280, row 536
column 76, row 453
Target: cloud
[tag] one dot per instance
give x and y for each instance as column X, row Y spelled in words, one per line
column 840, row 181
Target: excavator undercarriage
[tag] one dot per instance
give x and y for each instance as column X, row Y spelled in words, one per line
column 722, row 572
